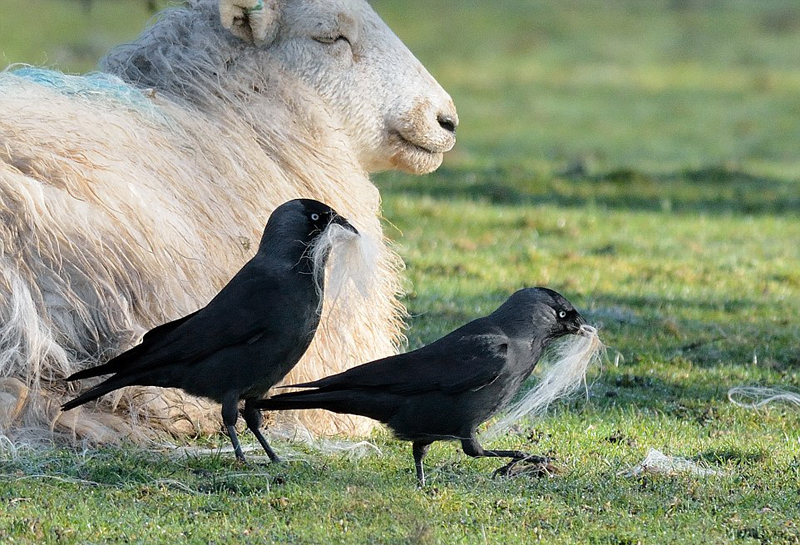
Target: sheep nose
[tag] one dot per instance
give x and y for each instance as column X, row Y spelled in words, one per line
column 447, row 122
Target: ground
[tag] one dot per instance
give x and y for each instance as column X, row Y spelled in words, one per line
column 642, row 160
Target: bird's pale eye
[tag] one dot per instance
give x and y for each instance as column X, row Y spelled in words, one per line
column 562, row 314
column 314, row 217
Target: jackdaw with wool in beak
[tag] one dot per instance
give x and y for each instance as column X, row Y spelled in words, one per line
column 249, row 336
column 445, row 390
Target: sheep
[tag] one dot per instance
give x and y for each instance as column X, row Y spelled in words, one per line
column 131, row 195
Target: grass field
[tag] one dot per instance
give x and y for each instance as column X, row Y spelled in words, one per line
column 641, row 157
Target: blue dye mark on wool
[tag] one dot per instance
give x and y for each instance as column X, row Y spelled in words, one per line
column 93, row 86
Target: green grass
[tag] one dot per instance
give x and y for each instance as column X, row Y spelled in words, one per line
column 641, row 158
column 70, row 35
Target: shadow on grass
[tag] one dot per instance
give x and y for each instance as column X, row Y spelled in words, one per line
column 710, row 190
column 735, row 456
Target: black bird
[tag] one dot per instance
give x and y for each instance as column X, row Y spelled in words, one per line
column 445, row 390
column 247, row 338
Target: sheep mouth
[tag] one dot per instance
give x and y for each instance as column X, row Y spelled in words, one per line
column 413, row 156
column 413, row 146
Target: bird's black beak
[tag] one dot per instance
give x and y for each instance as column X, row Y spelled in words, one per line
column 577, row 326
column 340, row 220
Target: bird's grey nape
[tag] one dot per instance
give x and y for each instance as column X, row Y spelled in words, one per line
column 563, row 372
column 344, row 266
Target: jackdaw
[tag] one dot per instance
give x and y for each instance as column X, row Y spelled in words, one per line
column 445, row 390
column 249, row 336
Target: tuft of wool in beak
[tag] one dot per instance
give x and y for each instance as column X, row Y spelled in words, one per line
column 348, row 278
column 563, row 372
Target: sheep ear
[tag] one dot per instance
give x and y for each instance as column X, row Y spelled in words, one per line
column 254, row 21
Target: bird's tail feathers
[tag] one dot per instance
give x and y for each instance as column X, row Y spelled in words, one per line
column 113, row 365
column 309, row 399
column 312, row 384
column 89, row 373
column 101, row 389
column 347, row 402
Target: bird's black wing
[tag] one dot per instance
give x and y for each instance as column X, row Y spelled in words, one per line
column 160, row 331
column 244, row 309
column 235, row 316
column 469, row 358
column 150, row 339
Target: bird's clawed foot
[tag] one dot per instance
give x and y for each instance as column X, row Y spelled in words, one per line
column 252, row 464
column 241, row 460
column 536, row 466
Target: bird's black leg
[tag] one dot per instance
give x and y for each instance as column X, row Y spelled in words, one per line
column 473, row 448
column 254, row 418
column 516, row 456
column 230, row 413
column 420, row 450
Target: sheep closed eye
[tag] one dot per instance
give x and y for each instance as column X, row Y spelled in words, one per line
column 332, row 39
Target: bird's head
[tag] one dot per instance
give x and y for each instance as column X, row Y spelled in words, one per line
column 320, row 217
column 299, row 223
column 543, row 313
